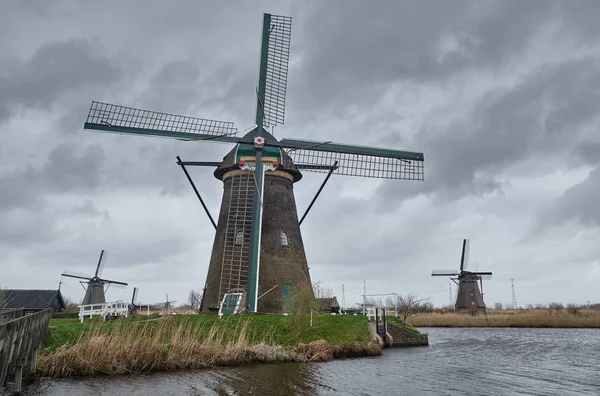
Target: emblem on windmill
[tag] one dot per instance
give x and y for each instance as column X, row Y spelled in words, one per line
column 469, row 297
column 258, row 255
column 94, row 292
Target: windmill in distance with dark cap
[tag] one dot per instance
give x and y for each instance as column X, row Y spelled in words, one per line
column 469, row 297
column 258, row 255
column 94, row 293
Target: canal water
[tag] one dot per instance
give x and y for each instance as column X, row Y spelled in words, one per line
column 467, row 361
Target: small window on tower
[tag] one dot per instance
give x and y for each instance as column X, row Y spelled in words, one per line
column 239, row 238
column 284, row 239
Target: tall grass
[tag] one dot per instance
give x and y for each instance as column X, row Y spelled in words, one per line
column 130, row 347
column 551, row 318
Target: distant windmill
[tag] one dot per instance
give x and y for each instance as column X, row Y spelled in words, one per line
column 168, row 304
column 469, row 296
column 258, row 244
column 134, row 307
column 94, row 293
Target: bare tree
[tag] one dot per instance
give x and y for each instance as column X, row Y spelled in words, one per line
column 498, row 306
column 556, row 306
column 194, row 299
column 409, row 305
column 70, row 305
column 322, row 291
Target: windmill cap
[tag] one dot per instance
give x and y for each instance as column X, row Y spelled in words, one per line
column 229, row 162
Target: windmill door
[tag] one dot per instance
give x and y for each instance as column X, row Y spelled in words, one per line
column 287, row 295
column 230, row 304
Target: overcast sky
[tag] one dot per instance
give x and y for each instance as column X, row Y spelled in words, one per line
column 501, row 97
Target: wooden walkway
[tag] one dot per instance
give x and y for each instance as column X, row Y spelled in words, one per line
column 20, row 338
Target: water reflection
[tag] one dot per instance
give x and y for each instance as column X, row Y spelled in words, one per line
column 458, row 362
column 271, row 380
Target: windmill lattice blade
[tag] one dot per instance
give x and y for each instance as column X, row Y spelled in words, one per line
column 134, row 296
column 101, row 262
column 277, row 69
column 73, row 275
column 114, row 282
column 486, row 276
column 353, row 160
column 120, row 119
column 464, row 260
column 444, row 273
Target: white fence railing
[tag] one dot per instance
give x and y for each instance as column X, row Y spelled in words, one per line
column 105, row 310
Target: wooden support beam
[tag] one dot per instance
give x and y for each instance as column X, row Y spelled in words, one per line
column 20, row 339
column 18, row 380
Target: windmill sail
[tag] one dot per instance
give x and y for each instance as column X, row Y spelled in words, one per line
column 121, row 119
column 353, row 160
column 258, row 176
column 101, row 262
column 277, row 33
column 464, row 260
column 444, row 273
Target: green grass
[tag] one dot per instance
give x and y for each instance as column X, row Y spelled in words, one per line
column 405, row 325
column 269, row 329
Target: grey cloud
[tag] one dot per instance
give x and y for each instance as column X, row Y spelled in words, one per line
column 579, row 203
column 88, row 209
column 504, row 128
column 68, row 168
column 26, row 226
column 350, row 56
column 22, row 228
column 589, row 152
column 183, row 87
column 55, row 69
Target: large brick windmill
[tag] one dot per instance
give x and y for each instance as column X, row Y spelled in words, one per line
column 258, row 250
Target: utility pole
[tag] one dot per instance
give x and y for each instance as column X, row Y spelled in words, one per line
column 514, row 297
column 343, row 299
column 364, row 297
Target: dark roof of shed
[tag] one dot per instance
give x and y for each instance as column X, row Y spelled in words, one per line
column 325, row 303
column 33, row 299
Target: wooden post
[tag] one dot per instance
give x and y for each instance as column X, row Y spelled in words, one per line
column 18, row 379
column 34, row 355
column 384, row 327
column 20, row 339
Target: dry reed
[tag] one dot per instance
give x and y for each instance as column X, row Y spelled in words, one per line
column 166, row 345
column 550, row 318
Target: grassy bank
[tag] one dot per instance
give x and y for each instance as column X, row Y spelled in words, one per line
column 139, row 345
column 542, row 318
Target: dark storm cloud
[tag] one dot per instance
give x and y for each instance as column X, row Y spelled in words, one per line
column 55, row 69
column 354, row 49
column 579, row 203
column 186, row 88
column 69, row 168
column 589, row 152
column 23, row 227
column 544, row 116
